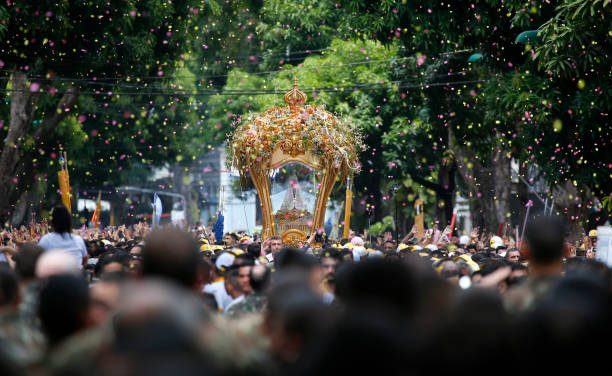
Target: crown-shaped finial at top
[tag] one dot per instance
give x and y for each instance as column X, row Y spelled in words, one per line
column 295, row 97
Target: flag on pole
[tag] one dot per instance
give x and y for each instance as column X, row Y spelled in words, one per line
column 218, row 227
column 95, row 218
column 452, row 223
column 419, row 218
column 348, row 202
column 33, row 226
column 500, row 228
column 528, row 206
column 64, row 181
column 112, row 217
column 157, row 210
column 219, row 224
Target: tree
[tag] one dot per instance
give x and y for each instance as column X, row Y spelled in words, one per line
column 530, row 104
column 290, row 31
column 54, row 54
column 574, row 56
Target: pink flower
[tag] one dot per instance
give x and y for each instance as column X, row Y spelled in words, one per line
column 420, row 60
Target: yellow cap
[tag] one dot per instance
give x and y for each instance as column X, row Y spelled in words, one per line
column 468, row 260
column 593, row 234
column 402, row 246
column 236, row 251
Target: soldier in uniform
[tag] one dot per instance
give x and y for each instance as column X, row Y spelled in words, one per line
column 256, row 301
column 22, row 341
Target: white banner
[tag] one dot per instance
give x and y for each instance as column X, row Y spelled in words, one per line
column 604, row 245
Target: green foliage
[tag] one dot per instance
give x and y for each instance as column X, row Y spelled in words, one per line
column 290, row 26
column 576, row 39
column 164, row 81
column 537, row 103
column 82, row 37
column 116, row 55
column 380, row 227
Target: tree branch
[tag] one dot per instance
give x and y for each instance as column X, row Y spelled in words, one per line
column 426, row 183
column 23, row 104
column 63, row 108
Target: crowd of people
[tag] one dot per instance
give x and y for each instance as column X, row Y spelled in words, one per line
column 137, row 301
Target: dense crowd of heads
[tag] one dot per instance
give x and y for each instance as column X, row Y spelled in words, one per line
column 174, row 301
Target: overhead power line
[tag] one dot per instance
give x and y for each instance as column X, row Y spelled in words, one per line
column 135, row 86
column 282, row 70
column 210, row 92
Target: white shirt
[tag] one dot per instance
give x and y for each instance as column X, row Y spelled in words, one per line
column 328, row 298
column 221, row 296
column 69, row 243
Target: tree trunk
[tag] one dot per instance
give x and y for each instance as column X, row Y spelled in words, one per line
column 23, row 104
column 445, row 192
column 488, row 184
column 572, row 205
column 16, row 166
column 26, row 205
column 500, row 162
column 21, row 208
column 523, row 194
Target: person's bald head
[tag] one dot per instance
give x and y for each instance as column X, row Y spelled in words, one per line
column 171, row 254
column 55, row 262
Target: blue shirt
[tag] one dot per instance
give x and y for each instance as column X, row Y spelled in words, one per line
column 69, row 243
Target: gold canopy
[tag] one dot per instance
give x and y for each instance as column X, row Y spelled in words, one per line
column 299, row 133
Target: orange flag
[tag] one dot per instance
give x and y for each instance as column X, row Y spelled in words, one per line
column 95, row 218
column 348, row 202
column 64, row 182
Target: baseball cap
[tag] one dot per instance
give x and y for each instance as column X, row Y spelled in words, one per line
column 357, row 241
column 224, row 261
column 496, row 241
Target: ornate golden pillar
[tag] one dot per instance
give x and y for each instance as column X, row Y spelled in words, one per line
column 262, row 185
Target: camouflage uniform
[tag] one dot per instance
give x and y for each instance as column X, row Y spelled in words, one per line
column 23, row 342
column 253, row 303
column 29, row 303
column 525, row 296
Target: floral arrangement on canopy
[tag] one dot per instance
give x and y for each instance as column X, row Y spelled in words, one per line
column 296, row 132
column 295, row 129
